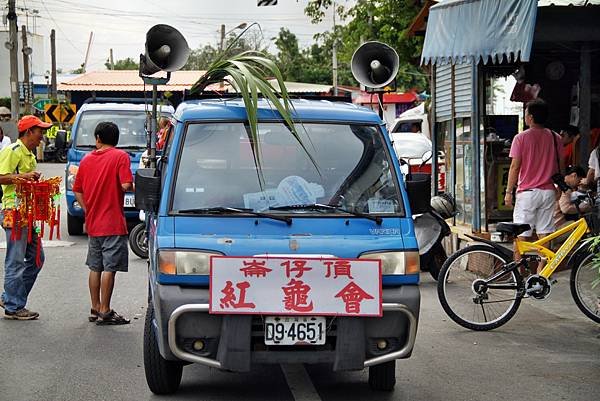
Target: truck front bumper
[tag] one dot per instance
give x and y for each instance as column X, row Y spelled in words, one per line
column 235, row 342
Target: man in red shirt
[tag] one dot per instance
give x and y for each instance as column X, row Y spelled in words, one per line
column 103, row 177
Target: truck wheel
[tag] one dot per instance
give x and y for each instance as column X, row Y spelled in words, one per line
column 138, row 241
column 74, row 225
column 383, row 377
column 162, row 376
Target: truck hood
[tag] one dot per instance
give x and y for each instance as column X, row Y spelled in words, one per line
column 242, row 236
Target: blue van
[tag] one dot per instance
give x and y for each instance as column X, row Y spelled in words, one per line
column 130, row 117
column 309, row 258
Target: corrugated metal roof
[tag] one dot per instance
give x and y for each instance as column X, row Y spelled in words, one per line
column 127, row 81
column 301, row 87
column 563, row 3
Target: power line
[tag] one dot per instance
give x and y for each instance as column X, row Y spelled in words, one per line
column 60, row 29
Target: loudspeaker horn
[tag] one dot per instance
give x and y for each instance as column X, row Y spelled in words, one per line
column 166, row 50
column 374, row 64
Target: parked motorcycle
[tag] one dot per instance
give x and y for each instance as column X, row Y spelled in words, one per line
column 55, row 146
column 430, row 229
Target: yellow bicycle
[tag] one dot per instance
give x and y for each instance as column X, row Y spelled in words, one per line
column 480, row 287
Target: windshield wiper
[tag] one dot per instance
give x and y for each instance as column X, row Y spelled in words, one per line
column 224, row 210
column 319, row 206
column 86, row 146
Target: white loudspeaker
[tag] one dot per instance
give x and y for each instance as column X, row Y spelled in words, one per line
column 166, row 50
column 374, row 64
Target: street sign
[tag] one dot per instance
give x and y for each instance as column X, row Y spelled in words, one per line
column 60, row 113
column 40, row 103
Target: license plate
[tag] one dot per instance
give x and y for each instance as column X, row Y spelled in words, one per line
column 129, row 201
column 295, row 330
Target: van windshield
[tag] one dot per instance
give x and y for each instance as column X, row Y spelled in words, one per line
column 131, row 127
column 354, row 171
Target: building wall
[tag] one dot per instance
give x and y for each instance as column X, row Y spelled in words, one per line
column 36, row 66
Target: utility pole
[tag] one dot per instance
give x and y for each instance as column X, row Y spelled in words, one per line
column 87, row 52
column 14, row 66
column 334, row 56
column 222, row 45
column 111, row 60
column 53, row 55
column 26, row 86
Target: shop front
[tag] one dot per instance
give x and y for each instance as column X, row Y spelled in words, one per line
column 488, row 58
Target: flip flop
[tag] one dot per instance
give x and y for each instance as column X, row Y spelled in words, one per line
column 111, row 318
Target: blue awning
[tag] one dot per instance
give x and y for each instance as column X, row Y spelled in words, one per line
column 467, row 31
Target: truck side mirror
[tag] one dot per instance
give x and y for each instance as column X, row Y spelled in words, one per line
column 147, row 189
column 418, row 188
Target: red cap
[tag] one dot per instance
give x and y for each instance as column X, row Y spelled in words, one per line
column 30, row 121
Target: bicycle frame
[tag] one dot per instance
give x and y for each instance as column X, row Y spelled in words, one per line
column 579, row 228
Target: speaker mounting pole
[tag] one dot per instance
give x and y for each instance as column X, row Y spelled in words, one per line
column 165, row 50
column 153, row 128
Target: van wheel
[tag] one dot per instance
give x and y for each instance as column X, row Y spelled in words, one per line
column 162, row 376
column 383, row 377
column 138, row 242
column 74, row 225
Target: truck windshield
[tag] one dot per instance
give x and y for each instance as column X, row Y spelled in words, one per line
column 351, row 169
column 130, row 123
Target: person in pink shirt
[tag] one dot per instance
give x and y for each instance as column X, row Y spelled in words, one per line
column 537, row 154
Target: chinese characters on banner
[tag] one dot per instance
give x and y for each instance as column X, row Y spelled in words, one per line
column 295, row 286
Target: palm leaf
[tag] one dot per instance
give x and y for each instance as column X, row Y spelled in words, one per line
column 249, row 72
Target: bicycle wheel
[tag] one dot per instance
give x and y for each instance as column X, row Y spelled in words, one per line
column 585, row 294
column 469, row 298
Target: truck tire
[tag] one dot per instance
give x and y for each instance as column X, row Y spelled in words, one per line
column 138, row 241
column 74, row 225
column 383, row 377
column 163, row 377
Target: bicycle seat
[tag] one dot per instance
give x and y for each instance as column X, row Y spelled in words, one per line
column 512, row 228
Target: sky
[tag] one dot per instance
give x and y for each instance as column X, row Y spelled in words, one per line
column 122, row 24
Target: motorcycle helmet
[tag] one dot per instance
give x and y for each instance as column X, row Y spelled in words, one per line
column 444, row 205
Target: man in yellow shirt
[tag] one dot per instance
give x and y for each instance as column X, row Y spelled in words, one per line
column 17, row 162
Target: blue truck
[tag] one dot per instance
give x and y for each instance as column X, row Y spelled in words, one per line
column 130, row 117
column 295, row 254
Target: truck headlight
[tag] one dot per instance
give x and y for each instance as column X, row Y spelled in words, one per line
column 184, row 262
column 396, row 262
column 71, row 173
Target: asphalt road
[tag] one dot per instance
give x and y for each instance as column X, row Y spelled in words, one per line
column 549, row 351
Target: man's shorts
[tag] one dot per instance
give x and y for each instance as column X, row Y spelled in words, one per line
column 109, row 254
column 536, row 208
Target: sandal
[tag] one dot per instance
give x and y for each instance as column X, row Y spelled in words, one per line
column 111, row 318
column 93, row 315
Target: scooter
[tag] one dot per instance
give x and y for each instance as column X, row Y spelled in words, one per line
column 431, row 227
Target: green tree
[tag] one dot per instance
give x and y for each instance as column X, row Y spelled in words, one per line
column 126, row 64
column 201, row 58
column 382, row 20
column 291, row 62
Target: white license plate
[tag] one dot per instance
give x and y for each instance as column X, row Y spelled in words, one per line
column 295, row 330
column 129, row 201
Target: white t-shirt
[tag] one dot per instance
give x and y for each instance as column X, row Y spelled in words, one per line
column 5, row 142
column 594, row 163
